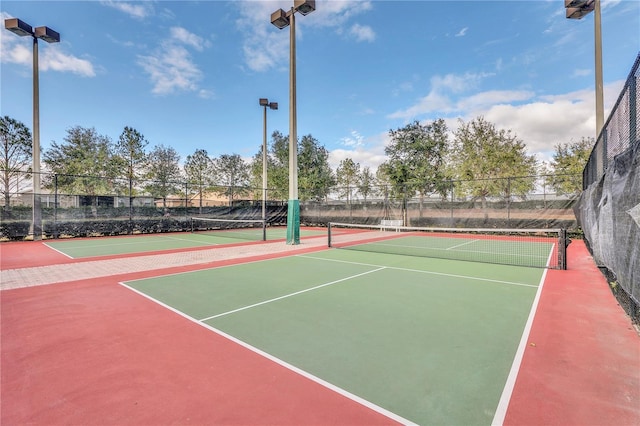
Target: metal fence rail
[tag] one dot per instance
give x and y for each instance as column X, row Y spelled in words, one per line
column 620, row 131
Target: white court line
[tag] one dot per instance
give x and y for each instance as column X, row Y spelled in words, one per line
column 461, row 251
column 466, row 277
column 507, row 391
column 291, row 294
column 197, row 243
column 283, row 363
column 61, row 252
column 462, row 244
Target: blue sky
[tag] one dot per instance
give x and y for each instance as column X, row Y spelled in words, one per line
column 189, row 74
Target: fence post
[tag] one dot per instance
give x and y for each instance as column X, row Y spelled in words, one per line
column 55, row 206
column 508, row 201
column 452, row 199
column 130, row 205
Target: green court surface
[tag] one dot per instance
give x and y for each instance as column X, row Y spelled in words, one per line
column 430, row 340
column 110, row 246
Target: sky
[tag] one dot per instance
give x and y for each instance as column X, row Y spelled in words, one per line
column 189, row 74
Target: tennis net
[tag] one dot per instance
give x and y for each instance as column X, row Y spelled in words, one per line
column 243, row 229
column 541, row 248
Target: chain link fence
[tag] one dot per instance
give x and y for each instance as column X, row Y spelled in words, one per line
column 517, row 202
column 609, row 208
column 92, row 206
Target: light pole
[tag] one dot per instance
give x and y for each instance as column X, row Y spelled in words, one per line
column 272, row 105
column 22, row 29
column 576, row 9
column 281, row 19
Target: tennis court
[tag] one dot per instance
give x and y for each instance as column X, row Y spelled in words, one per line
column 267, row 333
column 110, row 246
column 403, row 334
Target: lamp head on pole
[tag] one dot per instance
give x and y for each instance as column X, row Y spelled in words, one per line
column 305, row 7
column 18, row 27
column 273, row 105
column 264, row 102
column 47, row 34
column 280, row 19
column 577, row 9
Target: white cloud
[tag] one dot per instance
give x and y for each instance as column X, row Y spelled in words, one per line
column 581, row 72
column 462, row 32
column 139, row 10
column 184, row 36
column 16, row 50
column 427, row 104
column 353, row 140
column 363, row 33
column 172, row 68
column 266, row 47
column 438, row 99
column 492, row 97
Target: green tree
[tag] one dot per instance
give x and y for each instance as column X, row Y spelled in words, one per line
column 367, row 183
column 416, row 158
column 315, row 177
column 131, row 152
column 278, row 171
column 388, row 192
column 163, row 172
column 84, row 163
column 486, row 158
column 15, row 162
column 347, row 175
column 568, row 163
column 232, row 176
column 277, row 168
column 199, row 173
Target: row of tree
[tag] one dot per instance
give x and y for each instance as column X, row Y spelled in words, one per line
column 422, row 159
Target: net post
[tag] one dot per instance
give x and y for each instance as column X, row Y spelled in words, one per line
column 329, row 235
column 563, row 242
column 264, row 230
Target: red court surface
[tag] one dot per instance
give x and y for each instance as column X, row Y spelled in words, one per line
column 92, row 352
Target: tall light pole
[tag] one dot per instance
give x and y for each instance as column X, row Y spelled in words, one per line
column 282, row 19
column 22, row 29
column 576, row 9
column 272, row 105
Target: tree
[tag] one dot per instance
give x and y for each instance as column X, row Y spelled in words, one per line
column 85, row 163
column 198, row 170
column 232, row 175
column 315, row 176
column 164, row 172
column 17, row 154
column 568, row 163
column 347, row 175
column 130, row 150
column 485, row 158
column 366, row 183
column 278, row 172
column 416, row 158
column 386, row 189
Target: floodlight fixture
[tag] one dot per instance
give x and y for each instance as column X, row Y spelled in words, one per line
column 47, row 34
column 280, row 19
column 305, row 7
column 577, row 9
column 18, row 27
